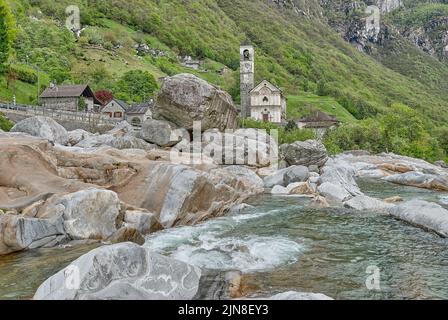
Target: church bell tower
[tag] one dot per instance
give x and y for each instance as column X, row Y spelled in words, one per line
column 247, row 70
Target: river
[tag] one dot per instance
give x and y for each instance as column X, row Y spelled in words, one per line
column 283, row 244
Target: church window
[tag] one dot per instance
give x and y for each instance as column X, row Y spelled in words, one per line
column 265, row 99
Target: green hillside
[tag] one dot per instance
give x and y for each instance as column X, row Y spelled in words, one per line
column 299, row 47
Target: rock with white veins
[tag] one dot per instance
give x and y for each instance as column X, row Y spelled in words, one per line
column 426, row 215
column 88, row 214
column 123, row 271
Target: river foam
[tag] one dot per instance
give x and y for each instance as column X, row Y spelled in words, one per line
column 216, row 244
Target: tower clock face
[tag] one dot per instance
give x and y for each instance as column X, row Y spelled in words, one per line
column 246, row 67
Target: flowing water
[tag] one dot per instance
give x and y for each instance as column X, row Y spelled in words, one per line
column 284, row 244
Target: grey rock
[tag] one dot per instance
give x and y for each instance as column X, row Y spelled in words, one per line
column 334, row 192
column 366, row 203
column 43, row 127
column 340, row 175
column 123, row 271
column 305, row 153
column 185, row 98
column 88, row 214
column 76, row 136
column 117, row 142
column 144, row 222
column 296, row 174
column 421, row 180
column 18, row 232
column 161, row 132
column 427, row 215
column 246, row 174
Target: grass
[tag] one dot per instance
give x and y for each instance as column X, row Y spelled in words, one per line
column 300, row 105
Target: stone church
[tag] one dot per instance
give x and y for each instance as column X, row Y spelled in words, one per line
column 263, row 102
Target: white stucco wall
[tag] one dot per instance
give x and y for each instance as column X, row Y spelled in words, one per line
column 275, row 113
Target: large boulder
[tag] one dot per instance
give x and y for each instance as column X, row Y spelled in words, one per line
column 185, row 98
column 88, row 214
column 123, row 271
column 304, row 153
column 19, row 232
column 160, row 132
column 426, row 215
column 43, row 127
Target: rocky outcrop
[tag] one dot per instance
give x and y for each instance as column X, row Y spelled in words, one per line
column 123, row 271
column 429, row 216
column 304, row 153
column 161, row 133
column 420, row 180
column 43, row 127
column 95, row 190
column 185, row 98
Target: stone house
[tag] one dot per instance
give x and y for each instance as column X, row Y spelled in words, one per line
column 318, row 121
column 69, row 98
column 267, row 103
column 139, row 113
column 115, row 109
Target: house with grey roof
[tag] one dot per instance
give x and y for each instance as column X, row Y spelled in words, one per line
column 69, row 98
column 139, row 113
column 115, row 109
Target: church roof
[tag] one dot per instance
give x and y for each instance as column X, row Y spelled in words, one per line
column 266, row 83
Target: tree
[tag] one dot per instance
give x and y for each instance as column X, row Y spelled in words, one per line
column 7, row 33
column 136, row 86
column 104, row 96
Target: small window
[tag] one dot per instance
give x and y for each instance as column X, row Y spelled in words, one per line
column 265, row 99
column 118, row 115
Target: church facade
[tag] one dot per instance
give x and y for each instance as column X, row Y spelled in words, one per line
column 264, row 102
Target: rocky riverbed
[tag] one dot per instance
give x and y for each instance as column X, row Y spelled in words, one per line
column 214, row 228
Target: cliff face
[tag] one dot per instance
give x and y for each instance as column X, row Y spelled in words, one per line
column 423, row 24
